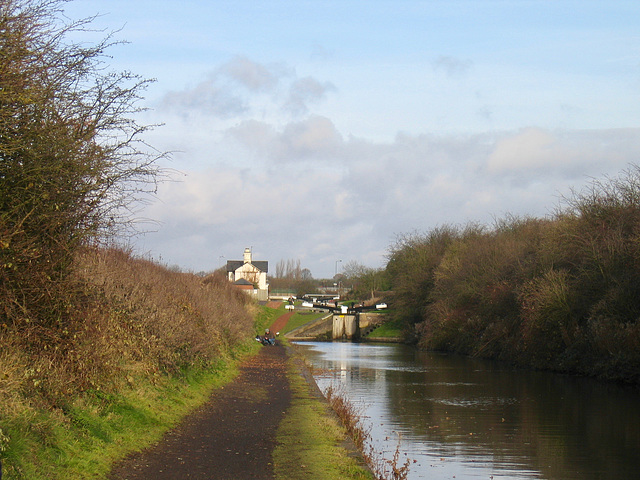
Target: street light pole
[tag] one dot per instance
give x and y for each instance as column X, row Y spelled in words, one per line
column 337, row 266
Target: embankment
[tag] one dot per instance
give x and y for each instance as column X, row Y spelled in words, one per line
column 139, row 346
column 143, row 349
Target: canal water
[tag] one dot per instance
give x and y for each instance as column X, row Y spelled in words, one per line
column 465, row 418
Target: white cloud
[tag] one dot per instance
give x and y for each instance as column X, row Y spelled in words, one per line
column 315, row 137
column 529, row 149
column 208, row 98
column 245, row 89
column 306, row 90
column 262, row 171
column 254, row 135
column 353, row 207
column 564, row 152
column 312, row 138
column 252, row 75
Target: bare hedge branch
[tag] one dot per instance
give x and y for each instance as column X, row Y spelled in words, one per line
column 73, row 163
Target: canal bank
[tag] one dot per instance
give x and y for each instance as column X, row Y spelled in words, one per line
column 472, row 418
column 268, row 423
column 312, row 443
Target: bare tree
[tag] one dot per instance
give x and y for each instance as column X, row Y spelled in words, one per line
column 289, row 269
column 72, row 159
column 305, row 274
column 353, row 269
column 280, row 267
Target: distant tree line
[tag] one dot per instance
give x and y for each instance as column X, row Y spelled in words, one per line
column 364, row 282
column 356, row 281
column 292, row 277
column 292, row 270
column 560, row 293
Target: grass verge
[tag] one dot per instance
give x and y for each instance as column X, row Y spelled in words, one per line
column 300, row 318
column 351, row 418
column 390, row 329
column 311, row 440
column 84, row 437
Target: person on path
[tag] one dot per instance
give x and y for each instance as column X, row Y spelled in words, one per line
column 269, row 337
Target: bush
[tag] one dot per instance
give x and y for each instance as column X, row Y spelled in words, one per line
column 548, row 323
column 475, row 292
column 71, row 161
column 137, row 319
column 558, row 293
column 139, row 331
column 410, row 272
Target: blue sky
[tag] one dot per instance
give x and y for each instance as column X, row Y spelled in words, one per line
column 322, row 130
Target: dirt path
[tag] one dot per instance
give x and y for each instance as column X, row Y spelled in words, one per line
column 281, row 321
column 231, row 437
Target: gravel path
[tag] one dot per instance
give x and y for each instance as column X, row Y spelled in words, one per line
column 229, row 438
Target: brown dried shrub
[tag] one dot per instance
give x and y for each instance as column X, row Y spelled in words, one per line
column 132, row 318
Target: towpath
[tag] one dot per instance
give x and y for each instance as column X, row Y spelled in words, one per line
column 232, row 436
column 281, row 322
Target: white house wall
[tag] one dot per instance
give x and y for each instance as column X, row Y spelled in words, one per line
column 252, row 274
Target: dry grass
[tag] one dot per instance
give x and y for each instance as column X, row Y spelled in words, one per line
column 351, row 417
column 132, row 317
column 130, row 322
column 168, row 319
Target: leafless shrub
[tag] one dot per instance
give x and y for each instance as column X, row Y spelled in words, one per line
column 72, row 161
column 349, row 414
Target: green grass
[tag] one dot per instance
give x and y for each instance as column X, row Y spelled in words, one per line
column 266, row 317
column 300, row 318
column 83, row 439
column 387, row 330
column 311, row 439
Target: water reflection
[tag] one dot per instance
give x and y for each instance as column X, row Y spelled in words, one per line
column 471, row 418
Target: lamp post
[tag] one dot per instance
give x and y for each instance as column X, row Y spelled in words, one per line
column 337, row 266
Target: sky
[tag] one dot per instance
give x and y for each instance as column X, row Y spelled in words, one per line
column 325, row 130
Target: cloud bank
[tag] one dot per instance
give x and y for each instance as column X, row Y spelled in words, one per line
column 261, row 169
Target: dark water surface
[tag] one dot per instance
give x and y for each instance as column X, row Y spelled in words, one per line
column 462, row 418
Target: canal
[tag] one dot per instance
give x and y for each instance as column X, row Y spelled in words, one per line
column 465, row 418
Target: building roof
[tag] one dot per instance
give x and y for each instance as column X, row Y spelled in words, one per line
column 243, row 281
column 233, row 265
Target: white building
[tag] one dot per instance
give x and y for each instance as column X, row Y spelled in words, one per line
column 249, row 275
